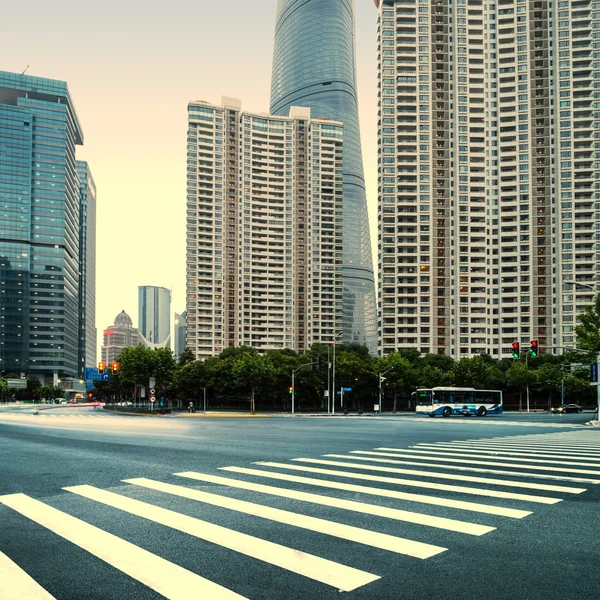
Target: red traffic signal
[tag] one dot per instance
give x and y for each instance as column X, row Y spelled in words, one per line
column 115, row 368
column 101, row 367
column 516, row 350
column 534, row 348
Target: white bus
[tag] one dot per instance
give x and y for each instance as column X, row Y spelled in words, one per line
column 448, row 401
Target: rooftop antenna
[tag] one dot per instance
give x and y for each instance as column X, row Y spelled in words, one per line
column 27, row 67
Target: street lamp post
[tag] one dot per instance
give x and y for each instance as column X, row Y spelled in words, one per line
column 328, row 378
column 294, row 380
column 381, row 380
column 334, row 392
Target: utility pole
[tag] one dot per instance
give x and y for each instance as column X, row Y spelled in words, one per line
column 294, row 382
column 334, row 392
column 381, row 380
column 328, row 378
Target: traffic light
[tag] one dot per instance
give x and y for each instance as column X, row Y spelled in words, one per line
column 516, row 350
column 534, row 348
column 115, row 368
column 101, row 367
column 291, row 389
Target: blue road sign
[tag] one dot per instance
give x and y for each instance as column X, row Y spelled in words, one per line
column 346, row 389
column 594, row 372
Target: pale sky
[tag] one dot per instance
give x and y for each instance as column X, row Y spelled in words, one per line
column 132, row 66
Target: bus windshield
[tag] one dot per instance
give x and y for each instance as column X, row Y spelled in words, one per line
column 423, row 397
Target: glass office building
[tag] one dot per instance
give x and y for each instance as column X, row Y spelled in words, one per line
column 87, row 266
column 154, row 316
column 313, row 66
column 39, row 228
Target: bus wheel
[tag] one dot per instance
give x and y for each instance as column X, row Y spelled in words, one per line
column 447, row 412
column 482, row 411
column 432, row 415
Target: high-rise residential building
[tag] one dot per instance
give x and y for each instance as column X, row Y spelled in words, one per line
column 179, row 326
column 87, row 267
column 39, row 228
column 154, row 316
column 487, row 202
column 118, row 336
column 264, row 229
column 314, row 66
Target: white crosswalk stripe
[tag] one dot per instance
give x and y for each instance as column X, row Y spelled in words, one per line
column 352, row 505
column 421, row 484
column 160, row 575
column 436, row 456
column 500, row 450
column 447, row 476
column 474, row 454
column 15, row 584
column 360, row 455
column 346, row 532
column 334, row 574
column 362, row 489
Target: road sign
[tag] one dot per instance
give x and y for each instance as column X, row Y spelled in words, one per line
column 152, row 392
column 152, row 399
column 594, row 372
column 346, row 389
column 152, row 382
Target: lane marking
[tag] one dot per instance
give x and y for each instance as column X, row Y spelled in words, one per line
column 320, row 569
column 16, row 584
column 501, row 451
column 536, row 461
column 460, row 468
column 421, row 484
column 352, row 505
column 363, row 489
column 438, row 456
column 450, row 476
column 339, row 530
column 164, row 577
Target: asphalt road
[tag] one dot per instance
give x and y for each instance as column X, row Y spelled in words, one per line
column 497, row 508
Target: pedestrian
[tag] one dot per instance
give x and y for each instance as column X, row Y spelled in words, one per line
column 191, row 407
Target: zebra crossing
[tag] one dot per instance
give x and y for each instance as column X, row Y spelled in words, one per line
column 428, row 494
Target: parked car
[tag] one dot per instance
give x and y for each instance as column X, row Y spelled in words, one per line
column 567, row 408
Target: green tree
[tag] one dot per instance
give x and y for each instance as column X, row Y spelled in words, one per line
column 252, row 371
column 549, row 380
column 518, row 376
column 190, row 380
column 588, row 330
column 477, row 372
column 139, row 364
column 401, row 377
column 186, row 357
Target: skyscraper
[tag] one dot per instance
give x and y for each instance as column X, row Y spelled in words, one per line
column 87, row 266
column 179, row 326
column 487, row 201
column 39, row 228
column 154, row 316
column 264, row 237
column 313, row 66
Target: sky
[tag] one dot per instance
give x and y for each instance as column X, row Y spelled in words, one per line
column 132, row 67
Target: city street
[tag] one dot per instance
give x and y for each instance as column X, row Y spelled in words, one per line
column 100, row 506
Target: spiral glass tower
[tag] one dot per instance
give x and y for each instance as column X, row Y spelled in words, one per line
column 313, row 66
